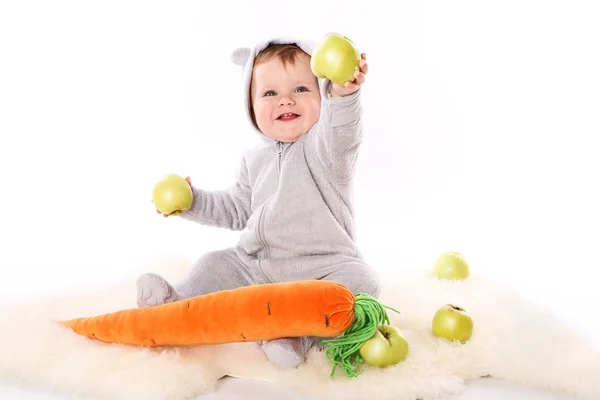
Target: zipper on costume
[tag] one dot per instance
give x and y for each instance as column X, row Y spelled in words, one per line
column 261, row 235
column 279, row 146
column 279, row 152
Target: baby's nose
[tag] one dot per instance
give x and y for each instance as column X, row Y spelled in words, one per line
column 286, row 101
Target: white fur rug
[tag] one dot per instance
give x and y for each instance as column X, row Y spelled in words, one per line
column 513, row 340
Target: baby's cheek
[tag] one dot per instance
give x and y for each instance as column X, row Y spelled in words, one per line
column 263, row 116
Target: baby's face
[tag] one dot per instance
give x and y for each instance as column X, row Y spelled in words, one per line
column 285, row 99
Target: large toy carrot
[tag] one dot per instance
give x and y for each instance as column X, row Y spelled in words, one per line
column 248, row 314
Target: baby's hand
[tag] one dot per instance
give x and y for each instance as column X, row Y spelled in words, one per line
column 359, row 79
column 175, row 213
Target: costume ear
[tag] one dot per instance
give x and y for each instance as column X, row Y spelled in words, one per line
column 240, row 56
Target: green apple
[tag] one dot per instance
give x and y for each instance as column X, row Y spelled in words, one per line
column 386, row 347
column 336, row 58
column 172, row 195
column 453, row 323
column 452, row 266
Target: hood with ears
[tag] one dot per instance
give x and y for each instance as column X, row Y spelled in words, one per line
column 245, row 56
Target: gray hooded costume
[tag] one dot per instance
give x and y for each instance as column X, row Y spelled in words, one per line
column 293, row 202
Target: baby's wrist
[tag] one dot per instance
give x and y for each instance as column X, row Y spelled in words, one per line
column 340, row 91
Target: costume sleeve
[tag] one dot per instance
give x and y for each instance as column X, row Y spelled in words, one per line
column 337, row 137
column 229, row 208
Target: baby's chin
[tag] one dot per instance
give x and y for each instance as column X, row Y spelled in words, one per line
column 287, row 137
column 290, row 138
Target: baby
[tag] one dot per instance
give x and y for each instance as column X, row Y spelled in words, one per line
column 293, row 194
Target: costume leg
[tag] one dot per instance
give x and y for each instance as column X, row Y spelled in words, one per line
column 287, row 353
column 356, row 276
column 214, row 271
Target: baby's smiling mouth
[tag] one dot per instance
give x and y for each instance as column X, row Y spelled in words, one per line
column 287, row 117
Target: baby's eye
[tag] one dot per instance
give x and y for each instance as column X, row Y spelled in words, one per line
column 269, row 93
column 302, row 89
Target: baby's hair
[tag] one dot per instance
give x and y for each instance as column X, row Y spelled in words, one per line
column 287, row 53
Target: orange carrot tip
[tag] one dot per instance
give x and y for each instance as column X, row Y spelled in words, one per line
column 249, row 314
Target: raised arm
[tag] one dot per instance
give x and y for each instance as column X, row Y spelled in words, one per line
column 337, row 136
column 229, row 208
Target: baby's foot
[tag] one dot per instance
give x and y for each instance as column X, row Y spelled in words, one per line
column 286, row 353
column 154, row 290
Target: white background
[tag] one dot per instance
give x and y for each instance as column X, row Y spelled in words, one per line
column 481, row 124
